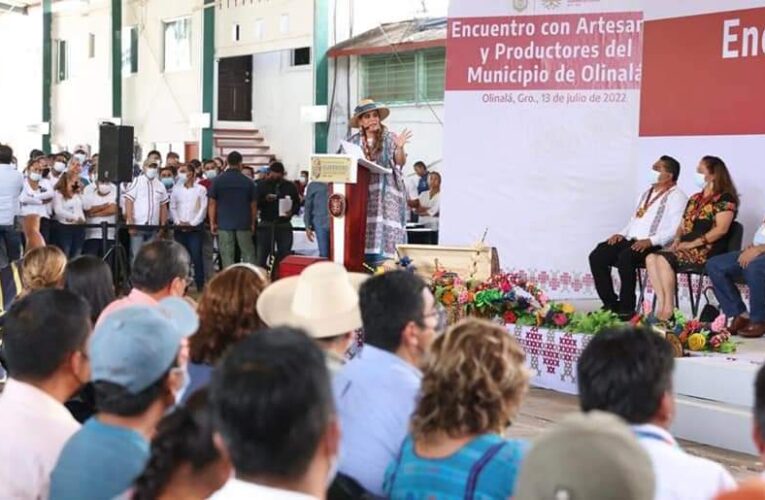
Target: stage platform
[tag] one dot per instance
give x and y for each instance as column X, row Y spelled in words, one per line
column 715, row 392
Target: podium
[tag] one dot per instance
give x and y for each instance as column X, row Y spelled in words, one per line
column 347, row 178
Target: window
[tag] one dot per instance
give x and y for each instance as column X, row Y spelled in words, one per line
column 235, row 33
column 91, row 45
column 129, row 51
column 284, row 24
column 258, row 29
column 62, row 60
column 177, row 35
column 301, row 56
column 408, row 77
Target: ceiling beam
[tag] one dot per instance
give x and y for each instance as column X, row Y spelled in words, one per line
column 8, row 8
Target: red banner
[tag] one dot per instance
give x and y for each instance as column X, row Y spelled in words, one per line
column 559, row 52
column 704, row 75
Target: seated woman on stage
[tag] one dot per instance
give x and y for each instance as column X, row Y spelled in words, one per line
column 702, row 233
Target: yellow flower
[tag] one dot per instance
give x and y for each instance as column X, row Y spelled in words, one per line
column 697, row 342
column 567, row 309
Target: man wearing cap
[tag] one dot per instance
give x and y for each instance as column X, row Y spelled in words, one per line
column 323, row 301
column 628, row 372
column 387, row 204
column 592, row 456
column 137, row 374
column 47, row 367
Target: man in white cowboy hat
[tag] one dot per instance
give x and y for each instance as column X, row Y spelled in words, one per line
column 387, row 204
column 323, row 300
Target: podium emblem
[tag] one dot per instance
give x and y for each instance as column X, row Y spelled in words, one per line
column 337, row 205
column 520, row 5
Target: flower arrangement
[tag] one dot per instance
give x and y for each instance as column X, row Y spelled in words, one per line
column 692, row 335
column 507, row 296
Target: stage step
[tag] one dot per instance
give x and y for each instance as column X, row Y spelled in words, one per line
column 714, row 424
column 714, row 400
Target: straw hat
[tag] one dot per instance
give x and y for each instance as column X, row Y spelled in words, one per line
column 366, row 106
column 323, row 300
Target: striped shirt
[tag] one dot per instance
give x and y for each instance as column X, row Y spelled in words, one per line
column 147, row 196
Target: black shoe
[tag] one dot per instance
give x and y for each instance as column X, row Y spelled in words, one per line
column 626, row 316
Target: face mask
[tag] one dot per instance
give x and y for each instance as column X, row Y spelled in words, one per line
column 184, row 384
column 80, row 157
column 700, row 180
column 655, row 176
column 210, row 174
column 59, row 167
column 334, row 466
column 151, row 173
column 104, row 189
column 304, row 180
column 34, row 176
column 168, row 182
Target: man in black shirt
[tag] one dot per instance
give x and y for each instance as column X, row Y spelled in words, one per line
column 233, row 212
column 278, row 201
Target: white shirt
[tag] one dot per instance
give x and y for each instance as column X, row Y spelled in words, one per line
column 235, row 489
column 433, row 205
column 91, row 198
column 33, row 430
column 68, row 211
column 147, row 196
column 680, row 476
column 11, row 184
column 759, row 236
column 661, row 220
column 188, row 204
column 33, row 201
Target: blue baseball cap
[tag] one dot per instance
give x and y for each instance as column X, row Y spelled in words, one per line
column 133, row 347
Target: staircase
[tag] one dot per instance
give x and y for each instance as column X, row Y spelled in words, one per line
column 250, row 143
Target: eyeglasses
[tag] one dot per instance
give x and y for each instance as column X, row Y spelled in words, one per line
column 440, row 314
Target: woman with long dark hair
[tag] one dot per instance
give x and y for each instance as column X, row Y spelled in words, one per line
column 184, row 461
column 702, row 233
column 90, row 278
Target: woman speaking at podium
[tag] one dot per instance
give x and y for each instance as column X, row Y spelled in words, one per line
column 386, row 205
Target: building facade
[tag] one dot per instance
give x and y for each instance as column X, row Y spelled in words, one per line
column 199, row 77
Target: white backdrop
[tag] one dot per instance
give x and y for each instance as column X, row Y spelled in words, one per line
column 548, row 179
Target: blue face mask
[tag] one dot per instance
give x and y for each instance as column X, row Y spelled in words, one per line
column 168, row 182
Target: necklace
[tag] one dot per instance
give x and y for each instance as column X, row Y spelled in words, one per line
column 649, row 202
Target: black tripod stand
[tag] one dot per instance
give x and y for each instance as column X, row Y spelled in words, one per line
column 117, row 255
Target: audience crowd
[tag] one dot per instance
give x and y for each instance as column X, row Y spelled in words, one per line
column 329, row 384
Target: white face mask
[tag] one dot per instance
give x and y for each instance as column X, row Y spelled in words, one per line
column 35, row 177
column 210, row 174
column 59, row 167
column 151, row 173
column 80, row 157
column 104, row 189
column 656, row 176
column 700, row 180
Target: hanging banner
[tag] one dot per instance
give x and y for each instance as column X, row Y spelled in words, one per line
column 542, row 101
column 704, row 65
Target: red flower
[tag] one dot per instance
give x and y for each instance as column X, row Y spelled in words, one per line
column 560, row 319
column 510, row 317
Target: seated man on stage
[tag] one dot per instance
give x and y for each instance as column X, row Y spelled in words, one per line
column 656, row 218
column 749, row 265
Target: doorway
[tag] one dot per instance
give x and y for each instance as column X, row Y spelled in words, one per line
column 235, row 89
